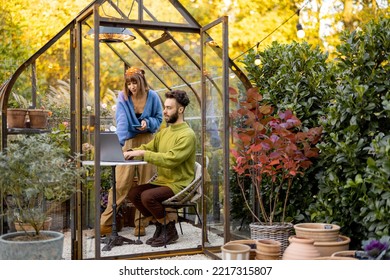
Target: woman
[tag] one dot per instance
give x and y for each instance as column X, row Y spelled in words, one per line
column 138, row 117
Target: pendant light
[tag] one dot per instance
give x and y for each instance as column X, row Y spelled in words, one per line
column 111, row 34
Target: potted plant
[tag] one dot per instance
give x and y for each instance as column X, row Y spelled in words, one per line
column 17, row 111
column 272, row 150
column 35, row 172
column 20, row 114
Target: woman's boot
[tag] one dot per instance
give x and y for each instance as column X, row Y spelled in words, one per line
column 140, row 224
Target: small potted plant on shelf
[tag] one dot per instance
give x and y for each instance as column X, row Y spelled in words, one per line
column 35, row 172
column 272, row 150
column 17, row 111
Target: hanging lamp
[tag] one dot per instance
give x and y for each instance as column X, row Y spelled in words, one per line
column 111, row 34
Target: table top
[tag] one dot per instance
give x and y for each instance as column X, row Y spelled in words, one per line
column 115, row 163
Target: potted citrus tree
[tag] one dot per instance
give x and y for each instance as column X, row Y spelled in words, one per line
column 35, row 172
column 272, row 150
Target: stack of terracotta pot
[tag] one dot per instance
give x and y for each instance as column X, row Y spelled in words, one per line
column 268, row 249
column 325, row 238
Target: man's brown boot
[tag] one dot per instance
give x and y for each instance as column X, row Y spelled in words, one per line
column 168, row 235
column 156, row 234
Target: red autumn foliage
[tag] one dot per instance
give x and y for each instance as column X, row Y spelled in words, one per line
column 271, row 149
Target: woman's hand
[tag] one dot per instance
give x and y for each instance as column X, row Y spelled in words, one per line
column 143, row 125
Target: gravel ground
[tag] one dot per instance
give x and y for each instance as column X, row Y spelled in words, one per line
column 191, row 238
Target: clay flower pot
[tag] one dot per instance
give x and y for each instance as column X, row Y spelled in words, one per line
column 235, row 251
column 250, row 243
column 319, row 232
column 330, row 247
column 20, row 226
column 38, row 118
column 301, row 249
column 267, row 256
column 268, row 246
column 16, row 117
column 278, row 231
column 345, row 254
column 336, row 258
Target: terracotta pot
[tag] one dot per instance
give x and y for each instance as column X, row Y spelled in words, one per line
column 235, row 251
column 345, row 254
column 250, row 243
column 278, row 231
column 301, row 249
column 330, row 247
column 38, row 118
column 267, row 256
column 335, row 258
column 16, row 117
column 268, row 246
column 319, row 232
column 27, row 227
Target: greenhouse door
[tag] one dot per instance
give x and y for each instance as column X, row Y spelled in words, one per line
column 215, row 132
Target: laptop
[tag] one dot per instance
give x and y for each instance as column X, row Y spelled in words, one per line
column 111, row 149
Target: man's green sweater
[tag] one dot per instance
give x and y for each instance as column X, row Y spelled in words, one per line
column 173, row 152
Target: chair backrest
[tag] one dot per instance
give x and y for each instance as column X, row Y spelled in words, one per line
column 191, row 193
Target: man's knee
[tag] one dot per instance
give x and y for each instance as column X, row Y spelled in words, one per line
column 136, row 191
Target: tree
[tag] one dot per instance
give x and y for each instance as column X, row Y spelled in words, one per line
column 11, row 45
column 27, row 25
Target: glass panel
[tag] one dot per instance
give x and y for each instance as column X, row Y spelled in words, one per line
column 239, row 213
column 162, row 11
column 214, row 134
column 119, row 9
column 44, row 85
column 21, row 94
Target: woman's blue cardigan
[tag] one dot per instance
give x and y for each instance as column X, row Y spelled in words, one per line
column 126, row 118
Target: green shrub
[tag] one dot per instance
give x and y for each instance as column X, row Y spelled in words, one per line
column 292, row 77
column 354, row 179
column 34, row 170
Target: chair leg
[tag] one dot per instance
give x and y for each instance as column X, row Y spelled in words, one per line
column 139, row 224
column 178, row 219
column 197, row 214
column 165, row 228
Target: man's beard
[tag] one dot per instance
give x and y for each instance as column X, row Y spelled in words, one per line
column 173, row 118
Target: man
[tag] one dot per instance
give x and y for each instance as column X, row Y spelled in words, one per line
column 172, row 151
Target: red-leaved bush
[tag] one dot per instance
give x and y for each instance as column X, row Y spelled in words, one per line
column 271, row 149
